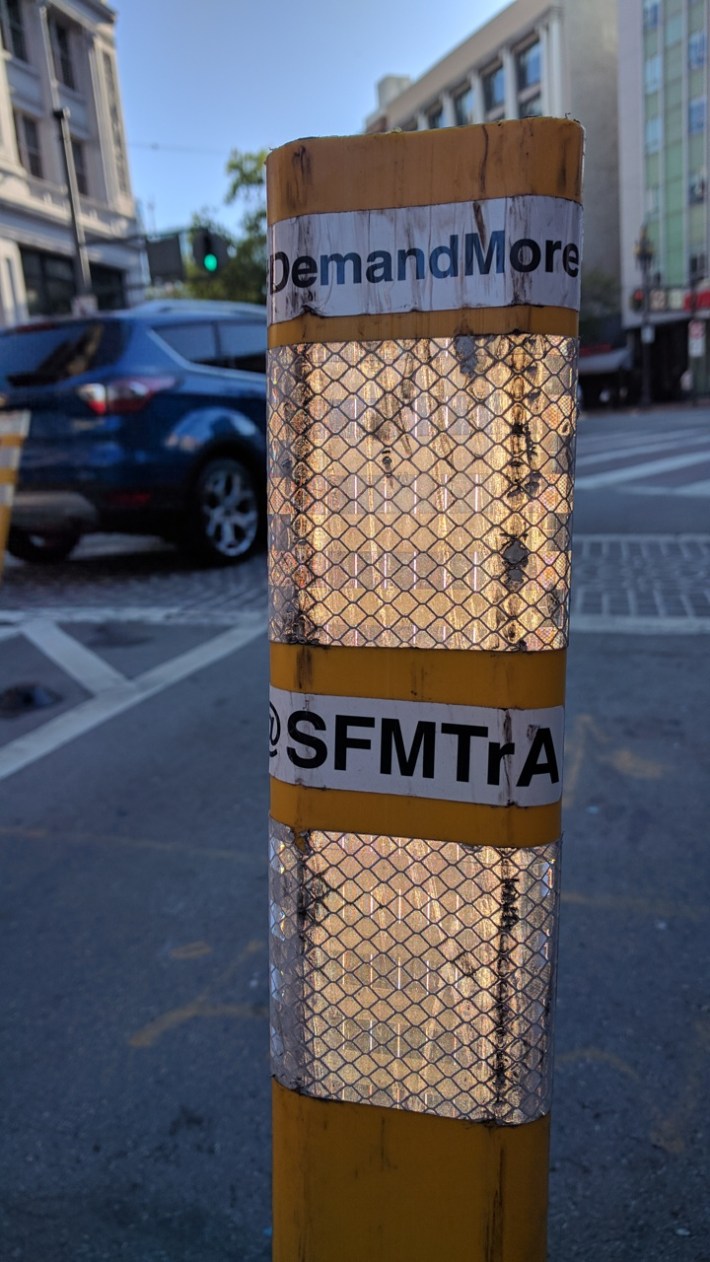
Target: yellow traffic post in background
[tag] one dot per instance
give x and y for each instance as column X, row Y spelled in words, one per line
column 423, row 312
column 13, row 431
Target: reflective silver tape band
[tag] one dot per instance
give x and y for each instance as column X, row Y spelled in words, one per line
column 421, row 492
column 414, row 974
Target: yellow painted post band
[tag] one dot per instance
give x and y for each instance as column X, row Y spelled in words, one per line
column 416, row 1187
column 473, row 678
column 415, row 324
column 541, row 156
column 343, row 811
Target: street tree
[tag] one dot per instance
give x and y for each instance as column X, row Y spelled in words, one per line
column 242, row 278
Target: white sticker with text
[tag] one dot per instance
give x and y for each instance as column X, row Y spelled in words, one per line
column 495, row 253
column 455, row 753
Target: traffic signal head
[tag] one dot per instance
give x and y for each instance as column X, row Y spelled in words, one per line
column 209, row 250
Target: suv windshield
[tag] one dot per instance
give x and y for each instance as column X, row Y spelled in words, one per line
column 46, row 354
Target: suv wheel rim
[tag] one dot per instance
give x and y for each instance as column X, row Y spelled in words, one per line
column 230, row 511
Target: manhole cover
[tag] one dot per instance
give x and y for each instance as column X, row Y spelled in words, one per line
column 22, row 698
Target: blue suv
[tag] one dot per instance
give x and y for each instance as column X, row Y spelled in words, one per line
column 149, row 421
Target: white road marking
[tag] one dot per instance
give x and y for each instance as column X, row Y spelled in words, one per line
column 90, row 670
column 123, row 696
column 637, row 624
column 616, row 451
column 699, row 489
column 694, row 488
column 168, row 615
column 629, row 474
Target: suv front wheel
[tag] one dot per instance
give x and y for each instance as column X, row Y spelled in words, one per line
column 226, row 514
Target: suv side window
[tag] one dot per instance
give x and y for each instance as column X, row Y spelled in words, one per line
column 242, row 345
column 196, row 342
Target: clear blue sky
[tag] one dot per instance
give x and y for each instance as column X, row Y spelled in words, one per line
column 203, row 77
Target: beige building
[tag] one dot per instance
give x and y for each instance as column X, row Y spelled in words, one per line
column 533, row 58
column 65, row 58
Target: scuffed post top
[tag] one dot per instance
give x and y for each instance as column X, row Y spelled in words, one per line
column 480, row 225
column 536, row 156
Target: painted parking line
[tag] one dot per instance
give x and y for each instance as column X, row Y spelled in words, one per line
column 122, row 695
column 91, row 671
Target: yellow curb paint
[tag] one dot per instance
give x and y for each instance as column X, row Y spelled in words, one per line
column 416, row 1187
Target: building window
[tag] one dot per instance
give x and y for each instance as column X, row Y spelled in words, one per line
column 652, row 74
column 696, row 190
column 79, row 152
column 652, row 200
column 651, row 14
column 529, row 67
column 13, row 30
column 49, row 282
column 62, row 54
column 494, row 92
column 697, row 267
column 28, row 146
column 696, row 50
column 435, row 116
column 463, row 107
column 653, row 134
column 696, row 115
column 107, row 284
column 530, row 108
column 528, row 74
column 116, row 128
column 674, row 30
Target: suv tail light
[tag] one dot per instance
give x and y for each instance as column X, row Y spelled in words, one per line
column 124, row 394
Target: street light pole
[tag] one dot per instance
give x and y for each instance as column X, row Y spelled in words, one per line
column 82, row 272
column 644, row 258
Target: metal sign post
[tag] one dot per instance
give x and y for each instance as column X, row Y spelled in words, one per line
column 424, row 296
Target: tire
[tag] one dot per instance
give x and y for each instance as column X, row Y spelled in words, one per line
column 226, row 520
column 41, row 549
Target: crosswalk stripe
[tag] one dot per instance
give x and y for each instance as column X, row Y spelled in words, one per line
column 642, row 449
column 695, row 488
column 630, row 473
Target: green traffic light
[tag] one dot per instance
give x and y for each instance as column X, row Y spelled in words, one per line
column 210, row 262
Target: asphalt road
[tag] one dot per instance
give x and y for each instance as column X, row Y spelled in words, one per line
column 133, row 909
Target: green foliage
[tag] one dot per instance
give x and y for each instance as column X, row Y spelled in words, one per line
column 243, row 277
